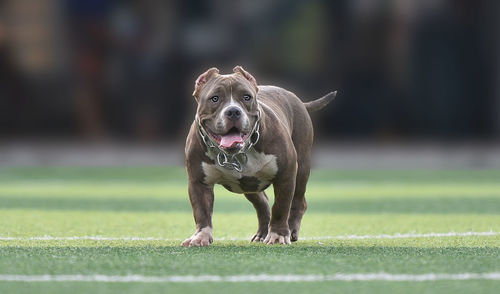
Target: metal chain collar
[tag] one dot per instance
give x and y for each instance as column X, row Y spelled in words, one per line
column 237, row 160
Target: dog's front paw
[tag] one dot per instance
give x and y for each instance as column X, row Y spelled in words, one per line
column 275, row 238
column 201, row 238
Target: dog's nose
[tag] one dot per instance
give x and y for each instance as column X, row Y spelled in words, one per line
column 233, row 113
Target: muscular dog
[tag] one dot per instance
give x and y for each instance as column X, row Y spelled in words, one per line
column 247, row 137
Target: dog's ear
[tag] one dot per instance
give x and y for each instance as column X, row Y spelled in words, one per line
column 203, row 79
column 247, row 75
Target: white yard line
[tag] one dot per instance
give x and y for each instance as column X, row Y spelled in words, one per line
column 253, row 278
column 407, row 235
column 339, row 237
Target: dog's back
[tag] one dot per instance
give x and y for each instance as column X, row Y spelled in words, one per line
column 290, row 110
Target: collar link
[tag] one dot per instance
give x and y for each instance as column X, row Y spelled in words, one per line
column 234, row 161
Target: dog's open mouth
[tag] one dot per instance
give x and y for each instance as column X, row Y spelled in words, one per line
column 234, row 138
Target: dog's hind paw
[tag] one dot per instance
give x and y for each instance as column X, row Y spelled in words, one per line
column 258, row 238
column 261, row 234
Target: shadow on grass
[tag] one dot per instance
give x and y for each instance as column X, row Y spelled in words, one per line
column 482, row 205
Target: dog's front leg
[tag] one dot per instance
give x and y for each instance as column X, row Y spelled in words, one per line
column 284, row 188
column 201, row 196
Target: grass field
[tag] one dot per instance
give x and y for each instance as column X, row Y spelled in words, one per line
column 66, row 225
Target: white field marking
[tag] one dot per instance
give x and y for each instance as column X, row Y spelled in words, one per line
column 406, row 235
column 348, row 277
column 91, row 238
column 340, row 237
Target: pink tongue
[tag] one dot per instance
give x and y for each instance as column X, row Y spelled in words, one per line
column 230, row 140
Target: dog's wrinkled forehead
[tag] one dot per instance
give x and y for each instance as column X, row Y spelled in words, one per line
column 211, row 82
column 226, row 85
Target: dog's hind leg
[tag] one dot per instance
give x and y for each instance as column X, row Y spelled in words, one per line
column 261, row 204
column 299, row 203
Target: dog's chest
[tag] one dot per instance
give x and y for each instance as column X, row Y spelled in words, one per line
column 256, row 175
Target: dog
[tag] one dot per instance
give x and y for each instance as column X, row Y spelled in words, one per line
column 246, row 137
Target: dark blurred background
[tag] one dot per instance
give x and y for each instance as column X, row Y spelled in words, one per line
column 124, row 70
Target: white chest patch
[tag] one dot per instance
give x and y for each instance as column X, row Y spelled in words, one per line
column 256, row 175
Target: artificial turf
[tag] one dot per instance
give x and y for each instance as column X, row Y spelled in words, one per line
column 152, row 202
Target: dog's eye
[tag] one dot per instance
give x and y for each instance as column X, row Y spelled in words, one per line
column 247, row 97
column 214, row 99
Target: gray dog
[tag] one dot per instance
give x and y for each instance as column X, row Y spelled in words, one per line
column 247, row 137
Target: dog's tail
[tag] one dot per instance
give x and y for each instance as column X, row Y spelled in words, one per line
column 318, row 104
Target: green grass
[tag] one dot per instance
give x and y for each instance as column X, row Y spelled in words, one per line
column 152, row 202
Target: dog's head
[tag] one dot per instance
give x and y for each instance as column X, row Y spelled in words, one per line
column 227, row 106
